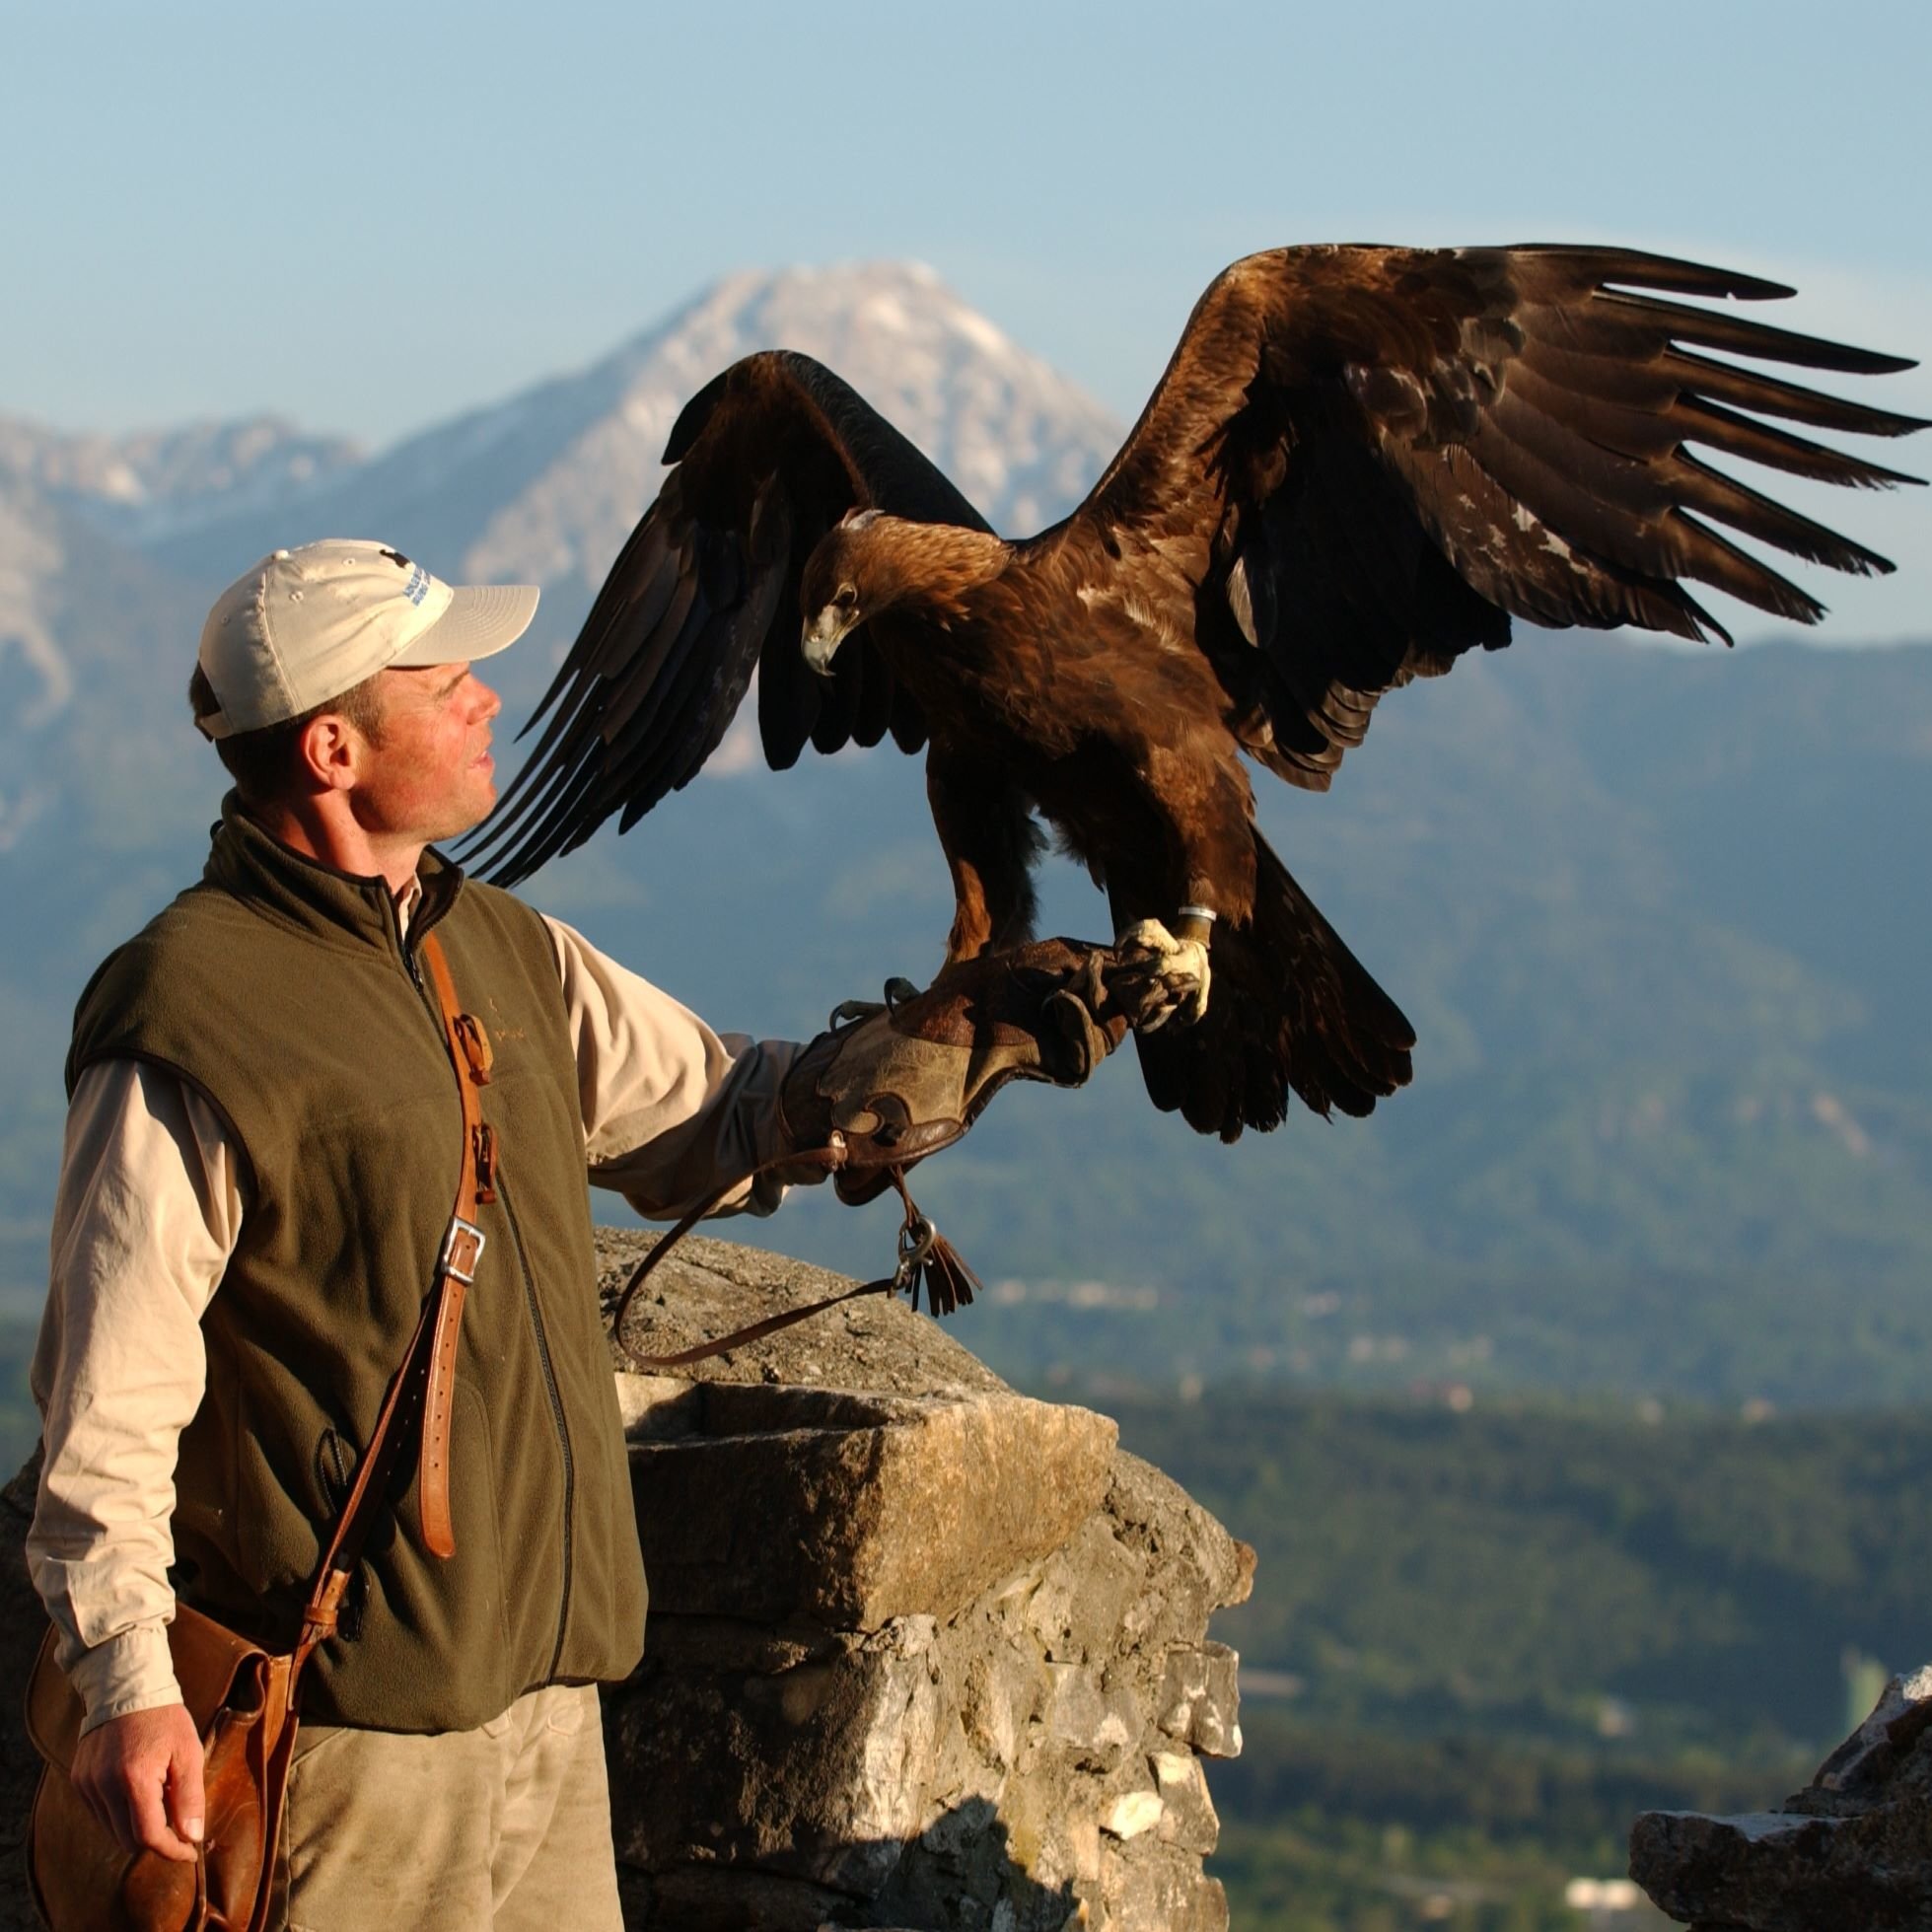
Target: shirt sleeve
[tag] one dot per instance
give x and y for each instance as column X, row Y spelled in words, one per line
column 672, row 1111
column 146, row 1214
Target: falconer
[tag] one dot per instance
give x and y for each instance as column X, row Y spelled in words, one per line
column 255, row 1180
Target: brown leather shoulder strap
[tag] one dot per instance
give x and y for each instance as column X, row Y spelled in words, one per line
column 352, row 1522
column 427, row 1371
column 463, row 1247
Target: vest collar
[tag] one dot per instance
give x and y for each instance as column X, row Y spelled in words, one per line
column 247, row 863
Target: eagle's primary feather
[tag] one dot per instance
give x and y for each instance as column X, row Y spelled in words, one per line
column 1360, row 464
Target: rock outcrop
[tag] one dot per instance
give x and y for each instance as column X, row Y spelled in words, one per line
column 1852, row 1849
column 922, row 1652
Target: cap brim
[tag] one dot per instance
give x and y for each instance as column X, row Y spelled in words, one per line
column 482, row 619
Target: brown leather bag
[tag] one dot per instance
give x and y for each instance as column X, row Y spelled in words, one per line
column 243, row 1698
column 240, row 1697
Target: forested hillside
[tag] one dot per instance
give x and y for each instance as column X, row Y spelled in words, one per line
column 1521, row 1567
column 1483, row 1639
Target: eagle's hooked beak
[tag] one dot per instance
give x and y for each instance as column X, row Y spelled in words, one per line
column 824, row 634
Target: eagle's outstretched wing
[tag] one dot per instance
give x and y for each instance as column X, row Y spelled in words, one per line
column 1362, row 461
column 768, row 456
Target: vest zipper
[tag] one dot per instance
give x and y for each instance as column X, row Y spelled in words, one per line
column 556, row 1416
column 408, row 951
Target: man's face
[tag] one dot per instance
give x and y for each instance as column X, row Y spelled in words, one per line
column 428, row 773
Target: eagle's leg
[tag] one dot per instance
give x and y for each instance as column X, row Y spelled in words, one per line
column 990, row 840
column 1197, row 845
column 1180, row 976
column 973, row 923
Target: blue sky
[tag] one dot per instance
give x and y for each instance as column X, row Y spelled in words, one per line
column 370, row 217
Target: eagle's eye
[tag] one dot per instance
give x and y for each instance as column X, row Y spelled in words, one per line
column 846, row 597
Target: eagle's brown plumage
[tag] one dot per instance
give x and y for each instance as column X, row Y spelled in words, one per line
column 1360, row 464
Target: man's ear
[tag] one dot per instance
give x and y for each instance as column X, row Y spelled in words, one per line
column 330, row 753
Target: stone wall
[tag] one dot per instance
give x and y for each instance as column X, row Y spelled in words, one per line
column 922, row 1652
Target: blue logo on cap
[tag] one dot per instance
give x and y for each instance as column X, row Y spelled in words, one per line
column 417, row 588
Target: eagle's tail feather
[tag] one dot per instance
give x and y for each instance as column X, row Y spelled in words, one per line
column 1340, row 1040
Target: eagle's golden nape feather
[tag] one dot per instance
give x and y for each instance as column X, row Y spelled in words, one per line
column 1361, row 464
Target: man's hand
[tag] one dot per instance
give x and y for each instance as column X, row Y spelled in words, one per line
column 141, row 1777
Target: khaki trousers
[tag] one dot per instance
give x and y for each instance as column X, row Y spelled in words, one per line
column 504, row 1828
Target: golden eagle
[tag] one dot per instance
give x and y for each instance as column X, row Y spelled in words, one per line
column 1360, row 464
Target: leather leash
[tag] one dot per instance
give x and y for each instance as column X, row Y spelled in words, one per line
column 923, row 1254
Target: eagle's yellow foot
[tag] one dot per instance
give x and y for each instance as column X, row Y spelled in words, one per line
column 1176, row 975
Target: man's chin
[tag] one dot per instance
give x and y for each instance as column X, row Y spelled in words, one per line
column 465, row 817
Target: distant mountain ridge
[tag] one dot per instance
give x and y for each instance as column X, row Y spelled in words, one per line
column 154, row 484
column 542, row 487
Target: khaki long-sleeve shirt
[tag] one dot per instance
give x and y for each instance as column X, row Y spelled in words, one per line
column 149, row 1207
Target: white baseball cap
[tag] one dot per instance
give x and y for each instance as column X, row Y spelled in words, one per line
column 304, row 626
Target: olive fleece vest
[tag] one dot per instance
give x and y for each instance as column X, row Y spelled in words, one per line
column 281, row 990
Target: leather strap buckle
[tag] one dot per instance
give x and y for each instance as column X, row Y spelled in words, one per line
column 473, row 1039
column 463, row 1247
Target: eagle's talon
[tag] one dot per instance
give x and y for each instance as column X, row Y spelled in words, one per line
column 1177, row 973
column 897, row 992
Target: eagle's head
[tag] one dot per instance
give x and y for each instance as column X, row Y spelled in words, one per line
column 870, row 562
column 843, row 584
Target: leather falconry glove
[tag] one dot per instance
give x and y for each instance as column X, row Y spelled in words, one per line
column 901, row 1080
column 894, row 1083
